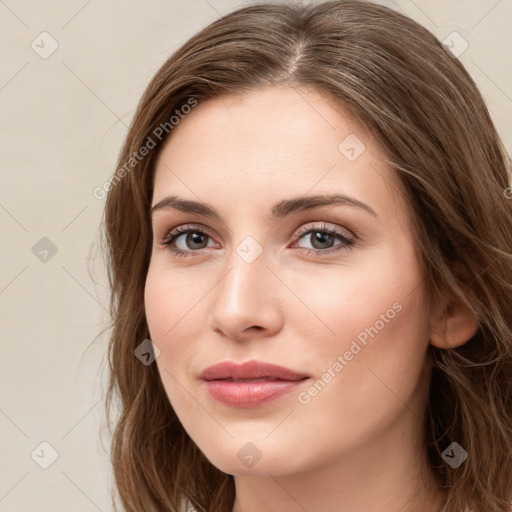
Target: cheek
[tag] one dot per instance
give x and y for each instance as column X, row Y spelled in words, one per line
column 380, row 321
column 169, row 307
column 168, row 313
column 158, row 305
column 379, row 289
column 377, row 321
column 171, row 300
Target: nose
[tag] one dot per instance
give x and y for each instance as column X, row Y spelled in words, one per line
column 246, row 304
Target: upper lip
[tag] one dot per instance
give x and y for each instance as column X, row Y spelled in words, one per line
column 249, row 370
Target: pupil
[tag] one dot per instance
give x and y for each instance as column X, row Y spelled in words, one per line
column 195, row 237
column 321, row 237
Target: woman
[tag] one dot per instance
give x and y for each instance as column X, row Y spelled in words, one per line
column 309, row 239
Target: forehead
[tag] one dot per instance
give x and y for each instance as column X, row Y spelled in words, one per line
column 262, row 146
column 263, row 125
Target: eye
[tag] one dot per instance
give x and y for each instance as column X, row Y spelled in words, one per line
column 189, row 239
column 323, row 237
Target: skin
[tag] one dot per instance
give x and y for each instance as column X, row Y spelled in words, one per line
column 356, row 445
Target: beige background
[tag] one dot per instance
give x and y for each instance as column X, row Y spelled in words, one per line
column 63, row 119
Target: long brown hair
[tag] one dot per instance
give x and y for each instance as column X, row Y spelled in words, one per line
column 426, row 112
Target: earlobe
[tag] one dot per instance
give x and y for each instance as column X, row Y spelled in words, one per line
column 455, row 327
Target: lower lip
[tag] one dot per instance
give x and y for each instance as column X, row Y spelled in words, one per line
column 250, row 394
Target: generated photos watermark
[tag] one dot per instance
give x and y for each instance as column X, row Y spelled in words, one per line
column 305, row 397
column 137, row 156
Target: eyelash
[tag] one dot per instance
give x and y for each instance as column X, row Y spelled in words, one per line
column 347, row 242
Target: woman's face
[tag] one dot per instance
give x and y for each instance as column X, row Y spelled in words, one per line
column 262, row 280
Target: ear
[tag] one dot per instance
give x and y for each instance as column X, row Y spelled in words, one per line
column 452, row 325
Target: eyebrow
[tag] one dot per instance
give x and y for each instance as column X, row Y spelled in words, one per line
column 278, row 211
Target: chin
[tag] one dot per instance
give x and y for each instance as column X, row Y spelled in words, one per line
column 254, row 459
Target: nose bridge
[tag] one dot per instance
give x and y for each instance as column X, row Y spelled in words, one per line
column 243, row 298
column 246, row 277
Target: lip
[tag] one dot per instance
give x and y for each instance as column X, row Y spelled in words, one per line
column 250, row 384
column 250, row 370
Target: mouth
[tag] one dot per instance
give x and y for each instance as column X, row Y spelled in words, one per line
column 250, row 384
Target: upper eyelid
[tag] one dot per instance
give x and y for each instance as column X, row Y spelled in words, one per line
column 324, row 226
